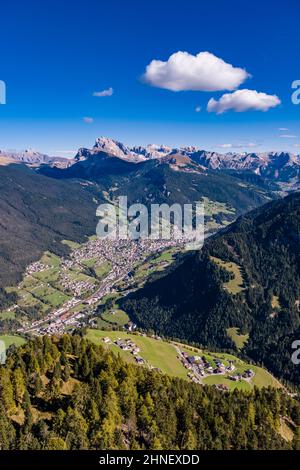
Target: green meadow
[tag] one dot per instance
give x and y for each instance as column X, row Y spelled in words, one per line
column 164, row 356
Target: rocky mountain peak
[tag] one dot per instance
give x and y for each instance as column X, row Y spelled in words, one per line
column 112, row 146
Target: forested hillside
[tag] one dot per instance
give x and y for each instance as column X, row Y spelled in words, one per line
column 36, row 213
column 246, row 277
column 67, row 393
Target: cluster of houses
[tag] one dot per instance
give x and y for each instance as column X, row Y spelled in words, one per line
column 76, row 286
column 123, row 256
column 55, row 327
column 127, row 345
column 35, row 268
column 201, row 367
column 247, row 375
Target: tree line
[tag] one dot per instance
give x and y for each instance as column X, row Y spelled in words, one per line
column 67, row 393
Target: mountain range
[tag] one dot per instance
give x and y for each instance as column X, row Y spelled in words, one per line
column 171, row 178
column 279, row 166
column 282, row 167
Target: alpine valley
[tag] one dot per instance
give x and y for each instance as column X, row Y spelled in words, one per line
column 140, row 344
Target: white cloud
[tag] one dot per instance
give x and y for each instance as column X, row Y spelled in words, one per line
column 108, row 92
column 88, row 120
column 239, row 145
column 283, row 129
column 226, row 146
column 202, row 72
column 243, row 100
column 63, row 153
column 288, row 136
column 198, row 109
column 252, row 145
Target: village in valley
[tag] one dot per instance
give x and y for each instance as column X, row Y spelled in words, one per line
column 81, row 290
column 60, row 294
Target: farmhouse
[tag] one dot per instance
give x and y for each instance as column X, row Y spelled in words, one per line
column 139, row 360
column 130, row 326
column 194, row 359
column 222, row 387
column 235, row 378
column 248, row 374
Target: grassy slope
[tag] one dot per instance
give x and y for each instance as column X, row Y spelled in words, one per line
column 163, row 355
column 156, row 352
column 236, row 284
column 238, row 339
column 115, row 316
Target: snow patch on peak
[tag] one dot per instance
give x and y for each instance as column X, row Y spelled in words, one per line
column 152, row 151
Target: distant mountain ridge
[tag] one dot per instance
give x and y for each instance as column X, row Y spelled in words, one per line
column 279, row 166
column 118, row 149
column 172, row 178
column 30, row 156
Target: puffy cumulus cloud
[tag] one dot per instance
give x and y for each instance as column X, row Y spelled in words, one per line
column 108, row 92
column 243, row 100
column 88, row 120
column 202, row 72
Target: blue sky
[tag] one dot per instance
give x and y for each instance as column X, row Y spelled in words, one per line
column 54, row 55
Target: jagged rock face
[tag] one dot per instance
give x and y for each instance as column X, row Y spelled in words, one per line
column 118, row 149
column 153, row 151
column 112, row 146
column 28, row 156
column 276, row 165
column 104, row 145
